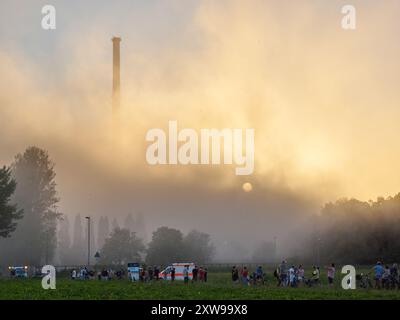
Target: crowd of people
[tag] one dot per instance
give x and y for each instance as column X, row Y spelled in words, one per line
column 146, row 274
column 199, row 274
column 105, row 274
column 383, row 276
column 294, row 276
column 196, row 274
column 149, row 273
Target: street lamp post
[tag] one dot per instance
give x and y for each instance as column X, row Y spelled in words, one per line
column 88, row 235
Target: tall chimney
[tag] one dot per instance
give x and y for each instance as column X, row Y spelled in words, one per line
column 116, row 78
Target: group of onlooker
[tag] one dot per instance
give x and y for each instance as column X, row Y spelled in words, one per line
column 82, row 274
column 246, row 277
column 293, row 276
column 149, row 273
column 199, row 274
column 286, row 276
column 386, row 277
column 104, row 274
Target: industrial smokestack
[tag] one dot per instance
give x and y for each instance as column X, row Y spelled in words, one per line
column 116, row 79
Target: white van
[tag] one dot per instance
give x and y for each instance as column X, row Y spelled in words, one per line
column 166, row 274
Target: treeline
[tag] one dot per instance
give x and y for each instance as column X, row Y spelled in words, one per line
column 118, row 245
column 34, row 232
column 352, row 231
column 166, row 246
column 73, row 238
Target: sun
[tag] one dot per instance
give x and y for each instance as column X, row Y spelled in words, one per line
column 247, row 187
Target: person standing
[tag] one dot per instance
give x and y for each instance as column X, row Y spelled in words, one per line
column 143, row 275
column 331, row 274
column 201, row 274
column 277, row 276
column 156, row 273
column 235, row 274
column 205, row 274
column 386, row 278
column 300, row 274
column 292, row 277
column 245, row 276
column 186, row 274
column 195, row 271
column 283, row 273
column 260, row 275
column 379, row 270
column 315, row 276
column 394, row 276
column 173, row 275
column 151, row 273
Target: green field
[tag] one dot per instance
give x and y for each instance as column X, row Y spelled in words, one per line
column 218, row 287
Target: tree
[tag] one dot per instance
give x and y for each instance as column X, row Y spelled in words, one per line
column 34, row 240
column 103, row 231
column 121, row 247
column 8, row 212
column 198, row 247
column 353, row 231
column 114, row 224
column 165, row 247
column 140, row 227
column 129, row 223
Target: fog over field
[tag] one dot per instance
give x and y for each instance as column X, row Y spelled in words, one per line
column 323, row 103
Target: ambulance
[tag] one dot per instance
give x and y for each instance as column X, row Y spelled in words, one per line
column 166, row 274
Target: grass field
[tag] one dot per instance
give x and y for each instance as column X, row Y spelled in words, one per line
column 218, row 287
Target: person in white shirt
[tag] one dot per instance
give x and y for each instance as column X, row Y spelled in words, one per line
column 186, row 274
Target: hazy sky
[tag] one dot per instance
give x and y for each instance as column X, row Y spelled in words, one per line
column 324, row 103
